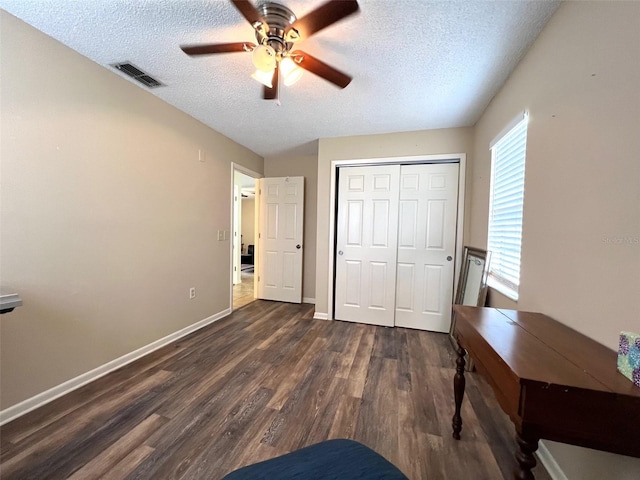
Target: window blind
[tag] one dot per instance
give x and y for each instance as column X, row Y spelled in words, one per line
column 505, row 210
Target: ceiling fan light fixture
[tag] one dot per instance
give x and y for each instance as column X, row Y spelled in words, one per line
column 291, row 73
column 292, row 35
column 263, row 77
column 264, row 58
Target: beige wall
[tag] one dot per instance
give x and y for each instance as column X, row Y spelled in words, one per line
column 107, row 215
column 307, row 167
column 581, row 234
column 425, row 142
column 248, row 222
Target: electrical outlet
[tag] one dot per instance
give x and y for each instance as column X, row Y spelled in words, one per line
column 192, row 293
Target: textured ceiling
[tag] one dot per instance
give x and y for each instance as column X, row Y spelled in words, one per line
column 416, row 64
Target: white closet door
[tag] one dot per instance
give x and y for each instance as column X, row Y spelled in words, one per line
column 426, row 246
column 280, row 238
column 367, row 244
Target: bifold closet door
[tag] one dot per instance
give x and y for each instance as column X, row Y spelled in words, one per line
column 366, row 244
column 426, row 246
column 395, row 245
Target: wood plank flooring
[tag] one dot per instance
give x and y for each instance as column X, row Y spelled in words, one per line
column 266, row 380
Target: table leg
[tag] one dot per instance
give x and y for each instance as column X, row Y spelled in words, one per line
column 458, row 392
column 525, row 458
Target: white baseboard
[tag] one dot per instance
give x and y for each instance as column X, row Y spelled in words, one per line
column 545, row 457
column 309, row 300
column 47, row 396
column 321, row 316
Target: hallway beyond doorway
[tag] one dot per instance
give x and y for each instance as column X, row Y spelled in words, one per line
column 243, row 291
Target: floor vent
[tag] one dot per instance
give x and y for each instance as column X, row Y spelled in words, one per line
column 134, row 72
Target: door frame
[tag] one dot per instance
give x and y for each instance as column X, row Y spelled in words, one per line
column 236, row 167
column 236, row 275
column 460, row 158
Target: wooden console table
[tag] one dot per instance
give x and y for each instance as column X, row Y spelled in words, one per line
column 553, row 382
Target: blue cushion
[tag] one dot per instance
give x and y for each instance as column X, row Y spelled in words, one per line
column 331, row 460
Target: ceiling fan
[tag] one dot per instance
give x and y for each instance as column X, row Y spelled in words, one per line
column 277, row 31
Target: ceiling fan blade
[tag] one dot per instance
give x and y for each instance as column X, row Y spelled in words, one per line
column 249, row 12
column 320, row 18
column 313, row 65
column 272, row 93
column 217, row 48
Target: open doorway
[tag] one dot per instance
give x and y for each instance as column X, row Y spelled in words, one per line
column 244, row 237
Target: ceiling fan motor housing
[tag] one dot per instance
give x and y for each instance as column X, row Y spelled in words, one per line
column 278, row 18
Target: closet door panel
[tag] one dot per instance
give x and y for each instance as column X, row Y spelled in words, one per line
column 366, row 244
column 431, row 191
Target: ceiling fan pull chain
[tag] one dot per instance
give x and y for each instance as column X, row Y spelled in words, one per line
column 278, row 90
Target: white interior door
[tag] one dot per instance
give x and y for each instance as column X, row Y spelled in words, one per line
column 426, row 245
column 281, row 203
column 367, row 244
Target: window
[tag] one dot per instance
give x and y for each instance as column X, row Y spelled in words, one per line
column 508, row 154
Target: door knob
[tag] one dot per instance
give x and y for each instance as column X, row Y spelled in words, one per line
column 298, row 246
column 449, row 258
column 340, row 252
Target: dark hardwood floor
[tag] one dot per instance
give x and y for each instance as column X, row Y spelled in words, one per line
column 266, row 380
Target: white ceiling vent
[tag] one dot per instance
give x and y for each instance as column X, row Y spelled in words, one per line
column 134, row 72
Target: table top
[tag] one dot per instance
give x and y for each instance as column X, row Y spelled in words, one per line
column 537, row 348
column 9, row 299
